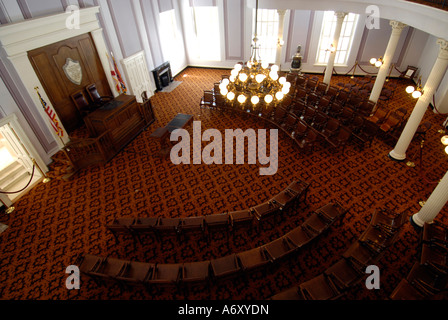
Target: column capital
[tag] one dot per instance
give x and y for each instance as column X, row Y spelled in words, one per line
column 281, row 12
column 443, row 53
column 397, row 24
column 340, row 15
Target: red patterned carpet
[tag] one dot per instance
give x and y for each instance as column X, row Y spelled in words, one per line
column 57, row 221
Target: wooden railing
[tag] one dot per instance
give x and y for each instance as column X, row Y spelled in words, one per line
column 82, row 153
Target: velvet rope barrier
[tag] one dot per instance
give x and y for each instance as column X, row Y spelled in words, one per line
column 29, row 182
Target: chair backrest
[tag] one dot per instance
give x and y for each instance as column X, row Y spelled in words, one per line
column 80, row 100
column 93, row 92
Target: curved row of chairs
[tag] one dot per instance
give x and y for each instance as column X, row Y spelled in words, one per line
column 382, row 231
column 160, row 227
column 429, row 276
column 157, row 275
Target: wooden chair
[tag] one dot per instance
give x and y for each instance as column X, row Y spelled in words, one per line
column 109, row 270
column 208, row 100
column 121, row 226
column 321, row 89
column 321, row 287
column 300, row 130
column 366, row 135
column 332, row 211
column 334, row 110
column 377, row 239
column 192, row 225
column 388, row 221
column 309, row 141
column 379, row 116
column 426, row 280
column 341, row 138
column 300, row 189
column 136, row 274
column 299, row 236
column 319, row 121
column 217, row 224
column 331, row 128
column 344, row 274
column 436, row 234
column 286, row 199
column 195, row 274
column 316, row 223
column 346, row 116
column 88, row 263
column 406, row 291
column 435, row 259
column 266, row 211
column 293, row 293
column 289, row 123
column 243, row 219
column 361, row 255
column 278, row 249
column 254, row 259
column 225, row 268
column 96, row 97
column 166, row 276
column 308, row 115
column 82, row 103
column 167, row 228
column 143, row 227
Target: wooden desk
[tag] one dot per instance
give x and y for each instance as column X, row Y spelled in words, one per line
column 122, row 117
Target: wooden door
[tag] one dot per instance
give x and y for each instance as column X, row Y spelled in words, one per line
column 66, row 67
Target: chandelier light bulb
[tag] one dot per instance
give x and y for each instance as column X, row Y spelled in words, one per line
column 446, row 150
column 273, row 75
column 445, row 140
column 225, row 81
column 416, row 94
column 378, row 64
column 260, row 77
column 373, row 61
column 265, row 65
column 224, row 91
column 234, row 73
column 410, row 89
column 238, row 67
column 232, row 78
column 279, row 95
column 274, row 68
column 222, row 86
column 241, row 98
column 231, row 96
column 255, row 100
column 243, row 77
column 268, row 99
column 285, row 90
column 249, row 64
column 282, row 80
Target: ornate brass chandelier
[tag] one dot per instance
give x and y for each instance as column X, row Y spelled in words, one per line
column 256, row 80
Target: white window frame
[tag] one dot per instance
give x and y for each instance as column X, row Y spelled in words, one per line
column 329, row 21
column 213, row 36
column 267, row 32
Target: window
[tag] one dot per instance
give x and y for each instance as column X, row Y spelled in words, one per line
column 206, row 23
column 171, row 41
column 267, row 33
column 345, row 40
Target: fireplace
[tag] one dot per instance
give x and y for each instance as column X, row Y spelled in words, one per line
column 162, row 76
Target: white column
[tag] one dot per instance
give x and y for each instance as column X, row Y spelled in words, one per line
column 281, row 23
column 337, row 35
column 397, row 28
column 434, row 79
column 434, row 204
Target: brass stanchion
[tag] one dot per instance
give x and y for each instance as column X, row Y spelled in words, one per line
column 354, row 70
column 8, row 210
column 46, row 179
